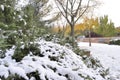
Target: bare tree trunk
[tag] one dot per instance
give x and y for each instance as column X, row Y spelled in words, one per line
column 72, row 25
column 89, row 33
column 72, row 35
column 72, row 11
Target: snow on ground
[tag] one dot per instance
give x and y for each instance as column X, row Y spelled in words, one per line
column 109, row 55
column 56, row 63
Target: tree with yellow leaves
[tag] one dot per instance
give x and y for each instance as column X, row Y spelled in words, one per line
column 89, row 24
column 79, row 28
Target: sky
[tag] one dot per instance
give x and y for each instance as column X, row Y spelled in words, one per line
column 110, row 8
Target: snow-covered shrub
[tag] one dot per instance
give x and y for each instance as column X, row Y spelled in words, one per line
column 81, row 52
column 48, row 37
column 60, row 40
column 68, row 39
column 115, row 42
column 11, row 39
column 23, row 51
column 2, row 25
column 34, row 75
column 3, row 46
column 56, row 63
column 95, row 64
column 20, row 53
column 13, row 77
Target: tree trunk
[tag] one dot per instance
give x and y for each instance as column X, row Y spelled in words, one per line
column 89, row 37
column 72, row 34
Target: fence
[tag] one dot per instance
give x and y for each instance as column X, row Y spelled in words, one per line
column 98, row 39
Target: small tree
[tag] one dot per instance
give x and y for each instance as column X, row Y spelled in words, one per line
column 7, row 25
column 21, row 25
column 73, row 10
column 89, row 23
column 31, row 23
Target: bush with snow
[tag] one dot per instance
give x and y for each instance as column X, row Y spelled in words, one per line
column 23, row 51
column 56, row 63
column 115, row 42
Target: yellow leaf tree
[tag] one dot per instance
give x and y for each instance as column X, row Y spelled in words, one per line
column 90, row 24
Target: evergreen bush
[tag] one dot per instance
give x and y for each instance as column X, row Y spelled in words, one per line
column 34, row 75
column 2, row 25
column 115, row 42
column 21, row 52
column 13, row 77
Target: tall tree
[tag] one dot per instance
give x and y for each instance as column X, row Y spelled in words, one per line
column 105, row 27
column 73, row 10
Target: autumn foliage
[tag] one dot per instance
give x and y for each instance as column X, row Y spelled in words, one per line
column 80, row 28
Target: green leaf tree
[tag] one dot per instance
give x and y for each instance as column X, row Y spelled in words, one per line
column 7, row 24
column 32, row 24
column 105, row 27
column 22, row 25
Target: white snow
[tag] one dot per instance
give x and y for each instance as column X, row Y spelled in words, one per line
column 65, row 64
column 2, row 7
column 109, row 55
column 4, row 71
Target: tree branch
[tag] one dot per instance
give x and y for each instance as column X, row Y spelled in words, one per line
column 74, row 2
column 78, row 7
column 64, row 11
column 83, row 11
